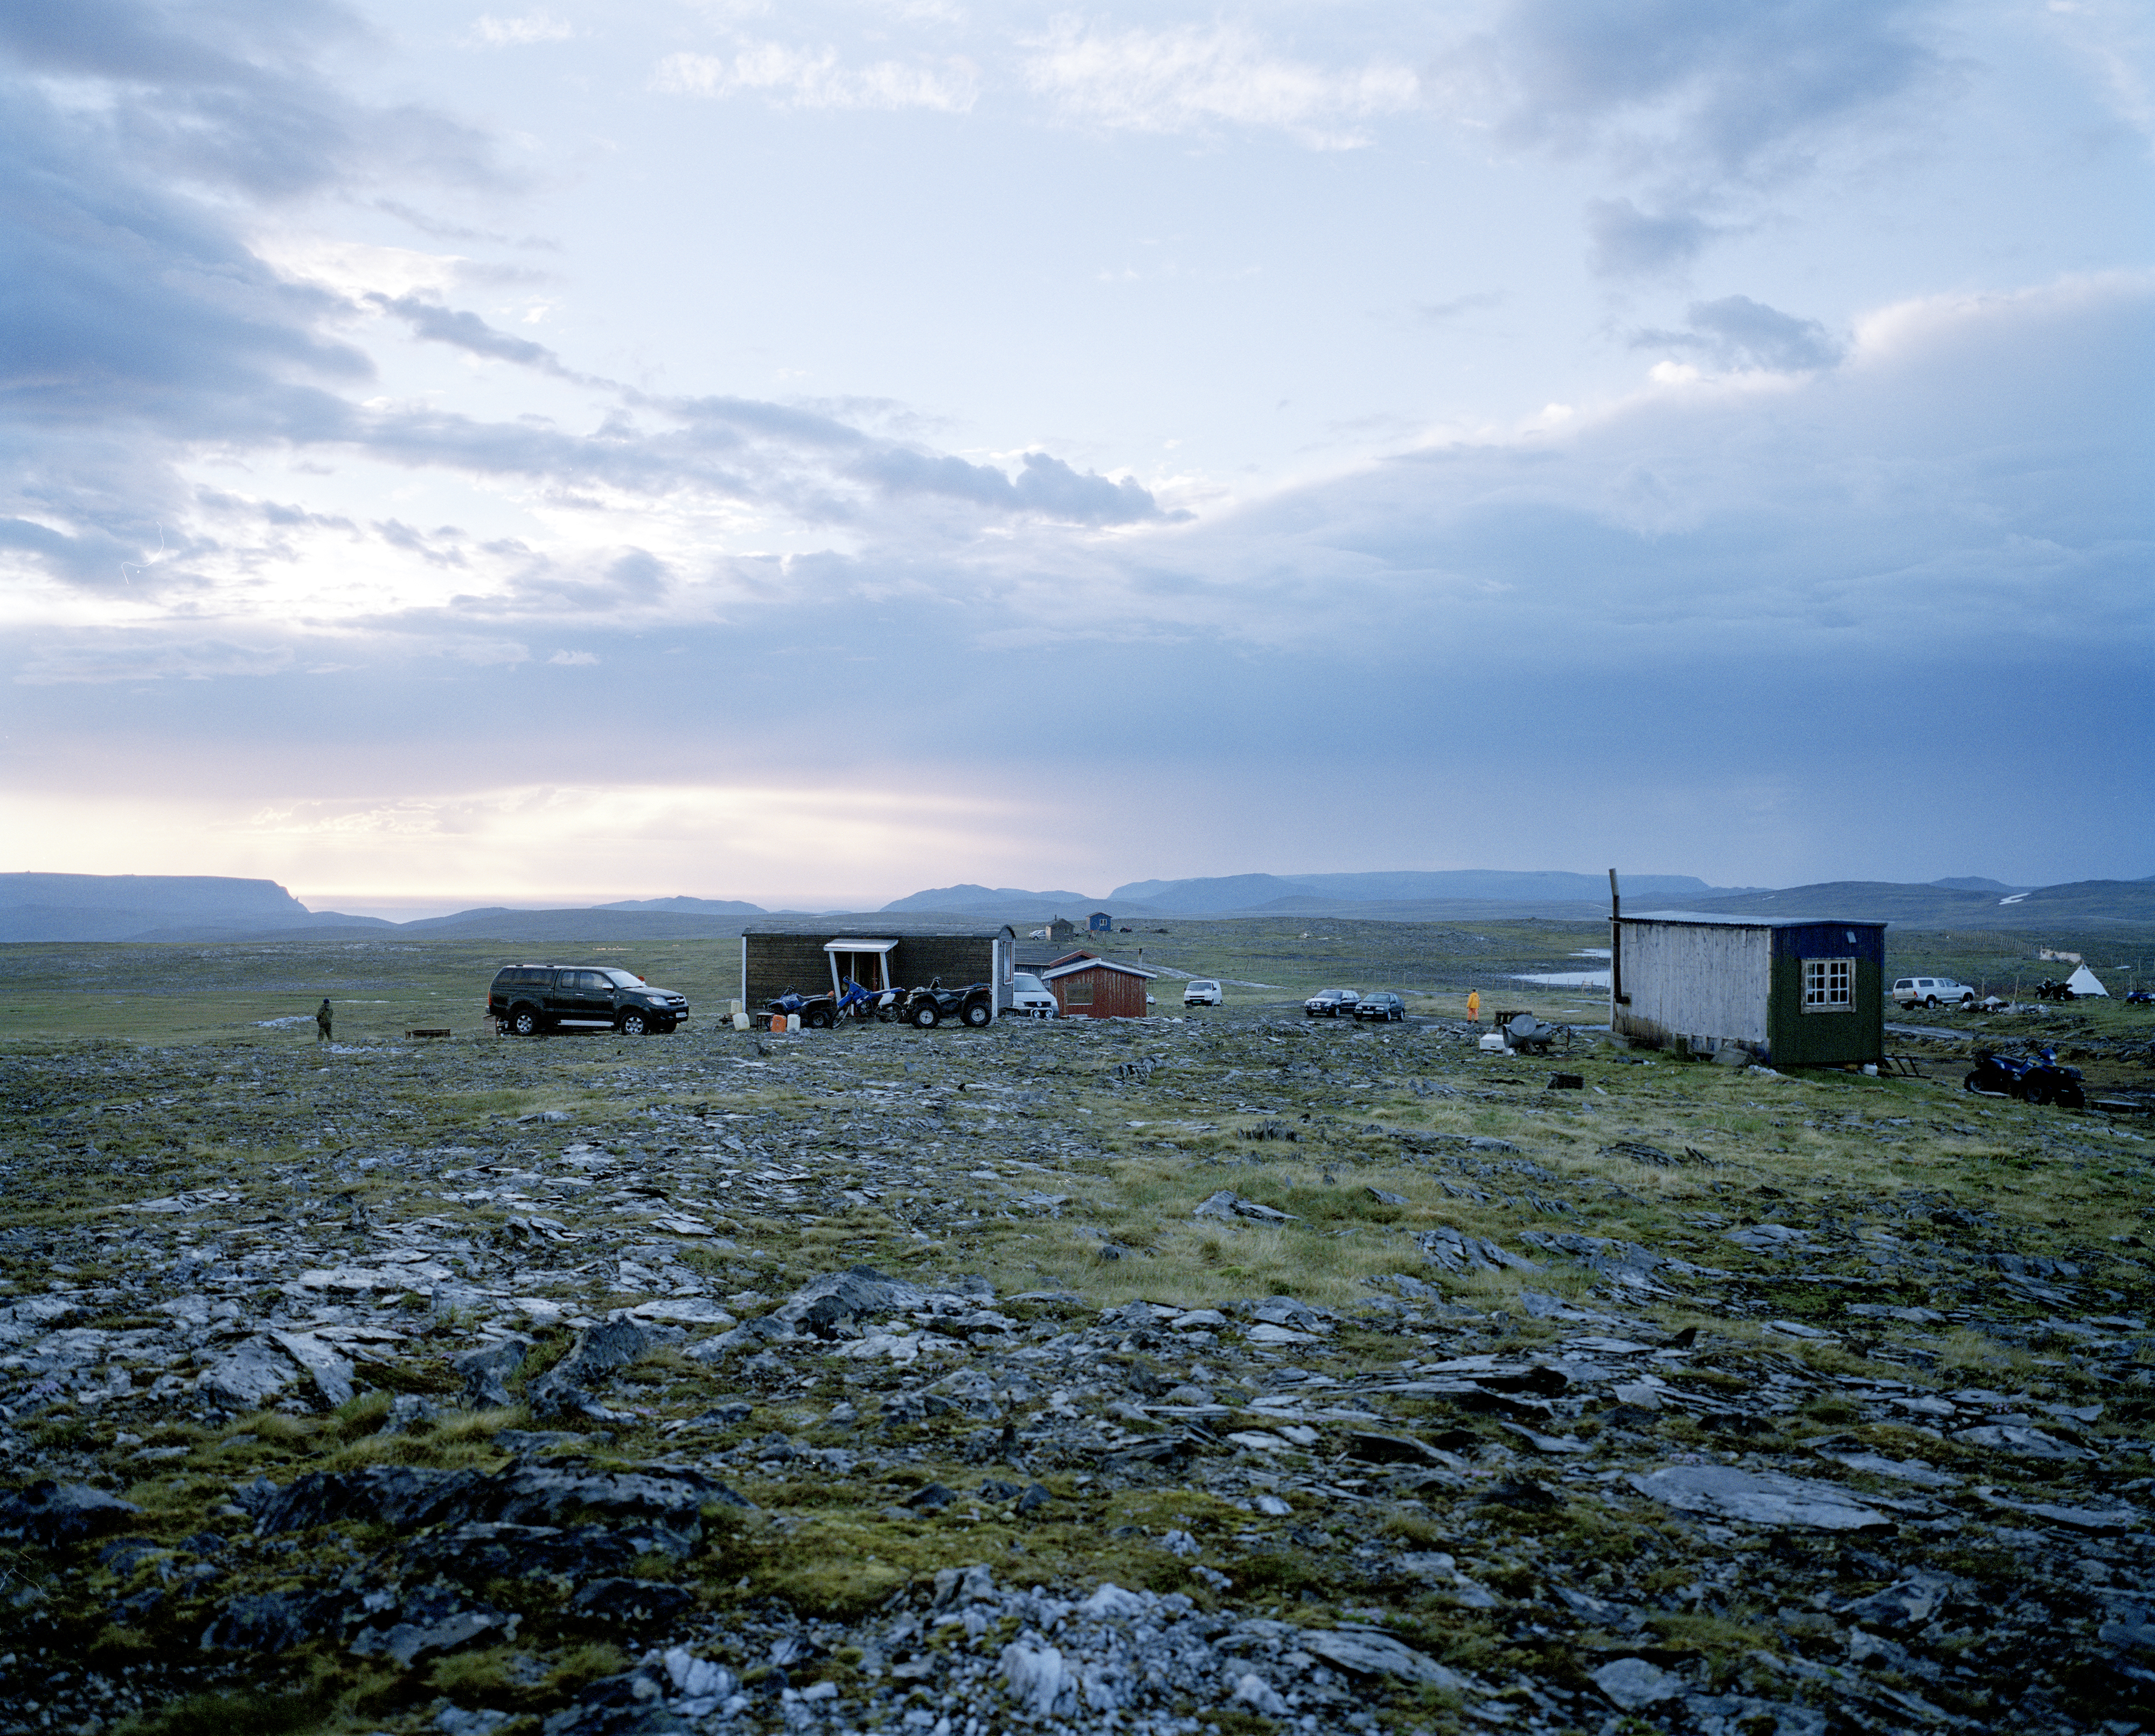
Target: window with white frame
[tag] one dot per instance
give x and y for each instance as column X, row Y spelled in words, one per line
column 1829, row 985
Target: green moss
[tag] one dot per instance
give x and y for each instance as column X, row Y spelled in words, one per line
column 246, row 1712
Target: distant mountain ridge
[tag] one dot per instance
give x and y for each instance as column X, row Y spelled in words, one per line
column 89, row 907
column 986, row 901
column 1247, row 892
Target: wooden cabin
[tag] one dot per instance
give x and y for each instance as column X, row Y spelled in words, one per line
column 1794, row 991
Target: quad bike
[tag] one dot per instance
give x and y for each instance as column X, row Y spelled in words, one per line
column 818, row 1012
column 975, row 1005
column 2038, row 1080
column 2047, row 990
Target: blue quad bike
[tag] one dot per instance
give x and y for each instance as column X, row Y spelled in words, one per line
column 2039, row 1080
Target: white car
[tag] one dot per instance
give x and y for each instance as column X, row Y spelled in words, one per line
column 1201, row 992
column 1031, row 997
column 1932, row 992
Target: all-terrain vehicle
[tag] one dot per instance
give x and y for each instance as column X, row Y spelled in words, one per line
column 818, row 1012
column 2040, row 1080
column 975, row 1005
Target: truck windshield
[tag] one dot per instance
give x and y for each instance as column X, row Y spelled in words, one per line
column 624, row 979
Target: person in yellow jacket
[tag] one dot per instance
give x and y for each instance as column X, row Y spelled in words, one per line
column 1474, row 1005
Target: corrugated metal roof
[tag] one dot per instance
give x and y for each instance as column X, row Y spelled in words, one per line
column 1709, row 919
column 1097, row 964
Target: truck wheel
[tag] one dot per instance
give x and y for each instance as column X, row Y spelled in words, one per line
column 927, row 1015
column 632, row 1024
column 1931, row 1002
column 978, row 1014
column 523, row 1022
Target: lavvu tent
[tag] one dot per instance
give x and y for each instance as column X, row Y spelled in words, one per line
column 2085, row 981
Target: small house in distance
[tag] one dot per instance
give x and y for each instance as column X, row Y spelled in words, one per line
column 1796, row 991
column 1099, row 922
column 1097, row 988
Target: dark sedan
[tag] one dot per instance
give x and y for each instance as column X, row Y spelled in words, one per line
column 1387, row 1006
column 1331, row 1002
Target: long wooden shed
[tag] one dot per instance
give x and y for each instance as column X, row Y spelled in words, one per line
column 1795, row 991
column 812, row 954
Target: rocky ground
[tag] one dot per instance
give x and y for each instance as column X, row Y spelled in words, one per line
column 1229, row 1374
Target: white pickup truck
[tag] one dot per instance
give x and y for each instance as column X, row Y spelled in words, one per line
column 1932, row 992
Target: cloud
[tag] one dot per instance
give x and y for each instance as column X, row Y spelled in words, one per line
column 1625, row 241
column 1192, row 79
column 814, row 78
column 1737, row 332
column 145, row 332
column 1692, row 86
column 491, row 32
column 441, row 324
column 1436, row 312
column 1709, row 104
column 573, row 659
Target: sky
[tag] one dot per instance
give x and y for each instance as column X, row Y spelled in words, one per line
column 807, row 453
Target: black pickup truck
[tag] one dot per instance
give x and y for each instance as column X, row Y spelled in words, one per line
column 529, row 999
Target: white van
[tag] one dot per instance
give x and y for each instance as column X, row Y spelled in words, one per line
column 1201, row 992
column 1031, row 998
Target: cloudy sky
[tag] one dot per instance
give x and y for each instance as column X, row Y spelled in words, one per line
column 810, row 452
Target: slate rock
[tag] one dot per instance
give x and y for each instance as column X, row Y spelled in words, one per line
column 639, row 1603
column 1228, row 1205
column 830, row 1306
column 1632, row 1682
column 330, row 1373
column 407, row 1643
column 404, row 1497
column 1914, row 1602
column 565, row 1389
column 486, row 1371
column 248, row 1377
column 631, row 1704
column 486, row 1550
column 275, row 1621
column 1365, row 1651
column 2024, row 1442
column 1763, row 1498
column 1738, row 1715
column 52, row 1513
column 1381, row 1449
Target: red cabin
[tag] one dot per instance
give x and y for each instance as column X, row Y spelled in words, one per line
column 1097, row 988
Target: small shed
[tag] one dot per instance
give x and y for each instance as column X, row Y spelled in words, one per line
column 812, row 954
column 1099, row 988
column 1796, row 991
column 1061, row 928
column 1099, row 922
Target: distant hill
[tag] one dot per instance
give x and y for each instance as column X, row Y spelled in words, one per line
column 687, row 906
column 1222, row 894
column 1977, row 883
column 2083, row 904
column 585, row 927
column 998, row 902
column 131, row 907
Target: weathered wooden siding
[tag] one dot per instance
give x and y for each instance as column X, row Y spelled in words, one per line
column 1114, row 994
column 1709, row 984
column 779, row 962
